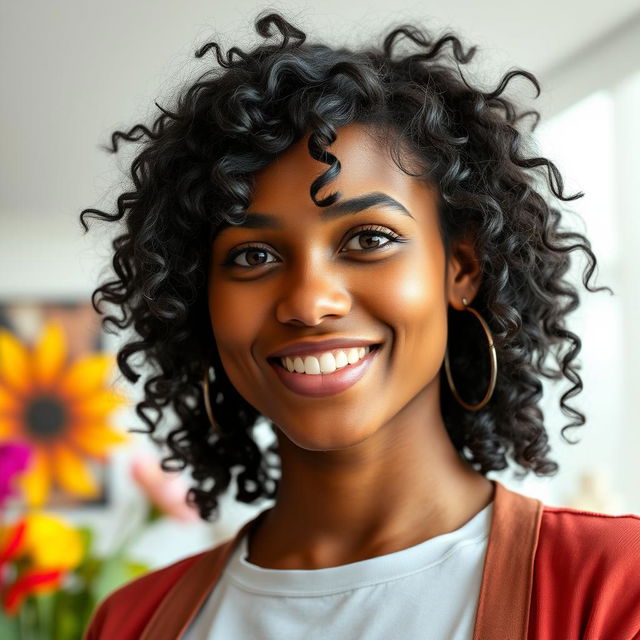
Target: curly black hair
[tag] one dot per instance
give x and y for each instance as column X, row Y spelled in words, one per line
column 194, row 174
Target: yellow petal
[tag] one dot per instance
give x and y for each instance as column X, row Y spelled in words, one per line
column 10, row 428
column 99, row 404
column 15, row 368
column 87, row 375
column 9, row 401
column 96, row 439
column 52, row 542
column 49, row 354
column 71, row 473
column 35, row 481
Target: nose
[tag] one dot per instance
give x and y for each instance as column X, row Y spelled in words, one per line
column 312, row 293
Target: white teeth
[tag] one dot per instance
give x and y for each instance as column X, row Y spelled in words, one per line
column 326, row 362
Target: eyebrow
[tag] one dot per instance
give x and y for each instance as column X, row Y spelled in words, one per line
column 255, row 220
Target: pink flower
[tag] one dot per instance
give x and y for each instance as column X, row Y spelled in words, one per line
column 167, row 492
column 14, row 458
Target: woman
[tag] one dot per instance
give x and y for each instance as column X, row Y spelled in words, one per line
column 353, row 245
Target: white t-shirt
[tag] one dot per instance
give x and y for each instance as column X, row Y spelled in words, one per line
column 429, row 591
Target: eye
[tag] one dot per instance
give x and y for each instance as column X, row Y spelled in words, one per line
column 375, row 232
column 251, row 252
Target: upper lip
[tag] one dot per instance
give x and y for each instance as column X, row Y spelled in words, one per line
column 306, row 347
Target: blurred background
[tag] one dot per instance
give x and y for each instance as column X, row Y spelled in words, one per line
column 73, row 72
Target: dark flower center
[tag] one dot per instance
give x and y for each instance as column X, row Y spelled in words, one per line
column 45, row 417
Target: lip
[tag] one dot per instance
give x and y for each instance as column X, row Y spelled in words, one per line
column 307, row 347
column 325, row 384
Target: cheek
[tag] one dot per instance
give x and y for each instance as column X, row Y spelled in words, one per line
column 415, row 309
column 235, row 322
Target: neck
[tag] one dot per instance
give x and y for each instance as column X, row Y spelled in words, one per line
column 401, row 486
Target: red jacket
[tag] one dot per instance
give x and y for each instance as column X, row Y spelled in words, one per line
column 550, row 573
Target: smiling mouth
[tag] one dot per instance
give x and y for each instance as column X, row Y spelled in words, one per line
column 278, row 362
column 324, row 384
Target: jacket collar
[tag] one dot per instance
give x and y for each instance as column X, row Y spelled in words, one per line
column 505, row 594
column 507, row 578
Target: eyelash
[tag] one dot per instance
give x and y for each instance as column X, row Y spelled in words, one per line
column 372, row 230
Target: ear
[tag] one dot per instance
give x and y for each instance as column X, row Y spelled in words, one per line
column 464, row 273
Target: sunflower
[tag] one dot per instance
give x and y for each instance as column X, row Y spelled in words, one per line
column 59, row 409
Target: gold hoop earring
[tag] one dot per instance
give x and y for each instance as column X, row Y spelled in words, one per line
column 492, row 359
column 207, row 402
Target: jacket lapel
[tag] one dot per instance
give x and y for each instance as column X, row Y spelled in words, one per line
column 180, row 605
column 507, row 578
column 505, row 594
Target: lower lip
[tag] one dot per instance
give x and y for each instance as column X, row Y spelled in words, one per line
column 325, row 384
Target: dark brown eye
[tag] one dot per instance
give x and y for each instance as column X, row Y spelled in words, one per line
column 373, row 239
column 254, row 256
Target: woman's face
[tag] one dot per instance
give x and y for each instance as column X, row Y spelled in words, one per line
column 314, row 277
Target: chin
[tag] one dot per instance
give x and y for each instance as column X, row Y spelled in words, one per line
column 324, row 439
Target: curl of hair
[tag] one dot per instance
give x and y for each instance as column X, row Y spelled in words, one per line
column 194, row 174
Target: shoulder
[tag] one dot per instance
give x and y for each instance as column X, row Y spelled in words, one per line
column 608, row 537
column 125, row 612
column 589, row 563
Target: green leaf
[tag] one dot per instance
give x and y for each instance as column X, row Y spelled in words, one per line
column 89, row 569
column 114, row 572
column 136, row 569
column 8, row 627
column 87, row 537
column 44, row 604
column 72, row 613
column 154, row 513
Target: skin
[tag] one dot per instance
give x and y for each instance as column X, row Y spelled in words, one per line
column 370, row 470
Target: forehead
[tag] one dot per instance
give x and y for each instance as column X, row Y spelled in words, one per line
column 366, row 166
